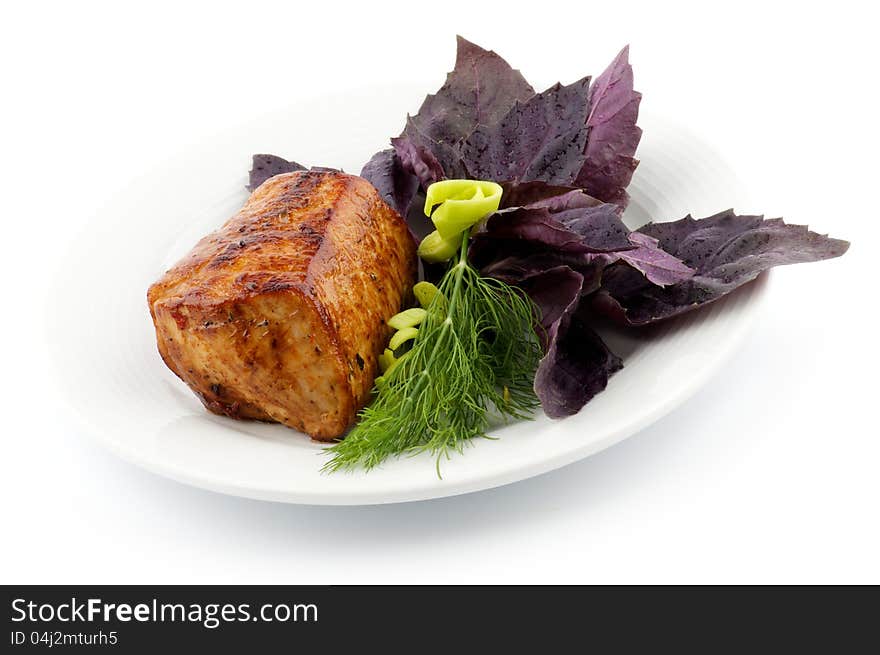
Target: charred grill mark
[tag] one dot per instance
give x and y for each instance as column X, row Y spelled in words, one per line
column 229, row 254
column 298, row 192
column 274, row 285
column 259, row 283
column 234, row 248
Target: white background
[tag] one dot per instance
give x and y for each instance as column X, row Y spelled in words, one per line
column 770, row 474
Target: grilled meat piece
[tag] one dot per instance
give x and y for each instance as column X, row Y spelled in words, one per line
column 280, row 314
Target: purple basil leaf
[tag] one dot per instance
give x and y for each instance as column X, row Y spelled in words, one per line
column 585, row 229
column 486, row 253
column 576, row 364
column 559, row 226
column 573, row 199
column 481, row 89
column 556, row 292
column 266, row 166
column 397, row 187
column 540, row 194
column 725, row 251
column 427, row 159
column 419, row 224
column 537, row 226
column 418, row 160
column 518, row 266
column 657, row 265
column 542, row 139
column 600, row 227
column 613, row 134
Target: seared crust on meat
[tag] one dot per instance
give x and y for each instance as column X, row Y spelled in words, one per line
column 280, row 315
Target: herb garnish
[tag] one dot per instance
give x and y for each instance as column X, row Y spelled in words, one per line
column 473, row 360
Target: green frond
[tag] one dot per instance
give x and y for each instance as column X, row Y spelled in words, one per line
column 474, row 356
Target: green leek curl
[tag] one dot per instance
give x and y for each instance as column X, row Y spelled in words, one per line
column 461, row 204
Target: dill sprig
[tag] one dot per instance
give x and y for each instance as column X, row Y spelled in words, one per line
column 472, row 363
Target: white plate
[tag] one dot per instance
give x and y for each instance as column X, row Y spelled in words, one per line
column 107, row 359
